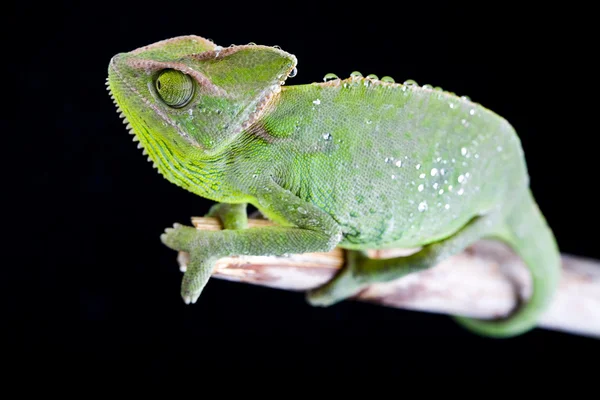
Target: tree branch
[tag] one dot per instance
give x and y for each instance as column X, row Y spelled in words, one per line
column 481, row 282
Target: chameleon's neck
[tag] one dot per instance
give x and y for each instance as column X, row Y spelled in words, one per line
column 188, row 169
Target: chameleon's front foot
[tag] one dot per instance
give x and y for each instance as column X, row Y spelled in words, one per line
column 348, row 282
column 201, row 263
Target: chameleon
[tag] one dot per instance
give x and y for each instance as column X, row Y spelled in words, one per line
column 358, row 163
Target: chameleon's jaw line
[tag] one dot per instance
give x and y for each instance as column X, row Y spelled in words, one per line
column 128, row 125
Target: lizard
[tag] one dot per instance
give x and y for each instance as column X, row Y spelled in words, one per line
column 359, row 163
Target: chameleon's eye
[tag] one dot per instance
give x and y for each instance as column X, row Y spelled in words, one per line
column 174, row 87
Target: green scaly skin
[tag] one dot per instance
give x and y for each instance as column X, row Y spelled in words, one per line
column 359, row 163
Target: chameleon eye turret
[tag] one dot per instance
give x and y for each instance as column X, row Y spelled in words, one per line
column 174, row 87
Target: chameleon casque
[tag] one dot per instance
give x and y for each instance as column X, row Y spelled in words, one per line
column 360, row 163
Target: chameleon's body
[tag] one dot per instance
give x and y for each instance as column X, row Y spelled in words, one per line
column 359, row 163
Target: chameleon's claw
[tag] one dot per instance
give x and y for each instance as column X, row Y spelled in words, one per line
column 190, row 298
column 346, row 284
column 179, row 237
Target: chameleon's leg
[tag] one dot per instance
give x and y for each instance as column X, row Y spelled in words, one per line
column 360, row 271
column 232, row 216
column 313, row 231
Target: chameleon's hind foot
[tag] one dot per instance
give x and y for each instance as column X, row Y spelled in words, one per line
column 348, row 282
column 199, row 262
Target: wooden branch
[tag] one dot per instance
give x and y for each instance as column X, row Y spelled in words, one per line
column 481, row 282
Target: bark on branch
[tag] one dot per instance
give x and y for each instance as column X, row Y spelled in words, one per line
column 482, row 282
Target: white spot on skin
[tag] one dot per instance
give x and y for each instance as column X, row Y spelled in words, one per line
column 441, row 191
column 461, row 191
column 418, row 166
column 461, row 179
column 450, row 188
column 472, row 112
column 422, row 206
column 447, row 206
column 421, row 187
column 422, row 176
column 435, row 185
column 398, row 163
column 317, row 101
column 434, row 171
column 499, row 148
column 463, row 151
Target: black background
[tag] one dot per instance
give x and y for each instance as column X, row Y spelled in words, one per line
column 95, row 292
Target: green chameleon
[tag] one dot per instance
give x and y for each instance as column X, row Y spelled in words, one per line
column 360, row 163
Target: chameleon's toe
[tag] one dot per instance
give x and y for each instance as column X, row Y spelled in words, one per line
column 179, row 237
column 345, row 284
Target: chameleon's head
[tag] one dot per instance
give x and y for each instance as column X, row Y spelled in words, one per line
column 187, row 95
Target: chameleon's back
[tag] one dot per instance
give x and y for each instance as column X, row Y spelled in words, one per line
column 394, row 163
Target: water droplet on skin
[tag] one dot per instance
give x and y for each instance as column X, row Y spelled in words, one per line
column 277, row 47
column 427, row 86
column 447, row 206
column 461, row 178
column 251, row 44
column 317, row 101
column 463, row 151
column 369, row 122
column 254, row 175
column 422, row 176
column 293, row 72
column 372, row 76
column 398, row 163
column 421, row 187
column 422, row 206
column 418, row 166
column 465, row 98
column 388, row 79
column 302, row 210
column 330, row 77
column 327, row 136
column 355, row 75
column 434, row 171
column 410, row 82
column 439, row 89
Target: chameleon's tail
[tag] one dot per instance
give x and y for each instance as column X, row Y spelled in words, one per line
column 528, row 234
